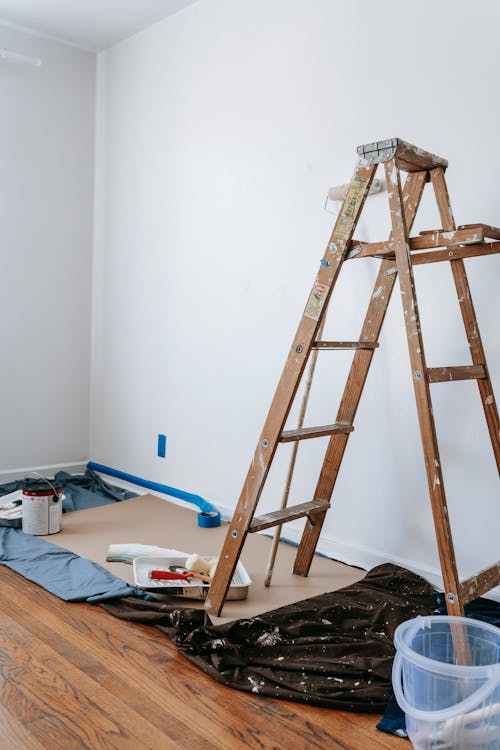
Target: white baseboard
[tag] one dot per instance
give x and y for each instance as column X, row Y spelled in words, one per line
column 131, row 487
column 11, row 475
column 361, row 556
column 369, row 557
column 351, row 554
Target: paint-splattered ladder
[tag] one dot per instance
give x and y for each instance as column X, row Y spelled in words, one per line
column 398, row 256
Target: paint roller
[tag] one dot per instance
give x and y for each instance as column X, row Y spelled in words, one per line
column 339, row 192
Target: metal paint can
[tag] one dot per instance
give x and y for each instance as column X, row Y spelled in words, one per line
column 42, row 507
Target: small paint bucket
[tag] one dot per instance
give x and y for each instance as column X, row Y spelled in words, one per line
column 42, row 507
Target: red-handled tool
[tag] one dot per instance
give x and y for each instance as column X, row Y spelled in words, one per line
column 171, row 575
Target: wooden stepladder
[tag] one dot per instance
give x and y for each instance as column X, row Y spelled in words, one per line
column 398, row 256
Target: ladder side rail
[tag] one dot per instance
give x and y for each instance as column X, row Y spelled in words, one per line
column 293, row 457
column 478, row 356
column 358, row 373
column 469, row 317
column 287, row 387
column 422, row 393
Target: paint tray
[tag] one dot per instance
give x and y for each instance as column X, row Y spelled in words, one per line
column 194, row 589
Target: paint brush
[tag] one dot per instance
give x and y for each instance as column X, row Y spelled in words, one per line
column 177, row 575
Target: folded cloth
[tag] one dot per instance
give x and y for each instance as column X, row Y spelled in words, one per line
column 88, row 490
column 68, row 576
column 126, row 553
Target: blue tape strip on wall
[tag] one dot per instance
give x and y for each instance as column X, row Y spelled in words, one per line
column 208, row 516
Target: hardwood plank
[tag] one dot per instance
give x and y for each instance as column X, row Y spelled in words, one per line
column 73, row 710
column 174, row 682
column 91, row 664
column 156, row 706
column 15, row 713
column 352, row 728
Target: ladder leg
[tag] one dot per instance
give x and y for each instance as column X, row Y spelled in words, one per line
column 422, row 393
column 478, row 356
column 288, row 384
column 469, row 317
column 372, row 326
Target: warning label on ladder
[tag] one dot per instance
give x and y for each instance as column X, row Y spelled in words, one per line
column 350, row 208
column 316, row 301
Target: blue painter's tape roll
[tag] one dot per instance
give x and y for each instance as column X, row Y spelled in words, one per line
column 209, row 519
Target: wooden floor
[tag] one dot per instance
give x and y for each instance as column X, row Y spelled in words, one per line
column 73, row 676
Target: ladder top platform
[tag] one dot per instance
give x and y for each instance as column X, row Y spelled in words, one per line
column 408, row 158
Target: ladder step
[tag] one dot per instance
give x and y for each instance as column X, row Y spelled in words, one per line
column 461, row 251
column 427, row 240
column 277, row 517
column 492, row 233
column 345, row 345
column 306, row 433
column 482, row 582
column 447, row 374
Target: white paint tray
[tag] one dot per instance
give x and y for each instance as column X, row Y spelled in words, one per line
column 194, row 589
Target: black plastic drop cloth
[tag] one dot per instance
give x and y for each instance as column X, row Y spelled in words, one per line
column 334, row 650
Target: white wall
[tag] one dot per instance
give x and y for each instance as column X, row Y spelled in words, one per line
column 219, row 132
column 46, row 189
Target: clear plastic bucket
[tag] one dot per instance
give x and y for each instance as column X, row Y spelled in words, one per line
column 446, row 678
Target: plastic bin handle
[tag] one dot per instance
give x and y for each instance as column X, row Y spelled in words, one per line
column 444, row 713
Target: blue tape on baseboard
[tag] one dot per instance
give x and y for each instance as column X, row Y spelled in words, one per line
column 204, row 506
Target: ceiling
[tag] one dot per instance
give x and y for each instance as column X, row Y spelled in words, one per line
column 92, row 24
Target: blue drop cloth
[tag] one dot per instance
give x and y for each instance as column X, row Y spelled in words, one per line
column 68, row 576
column 56, row 569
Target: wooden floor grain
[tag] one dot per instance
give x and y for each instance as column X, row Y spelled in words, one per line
column 72, row 676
